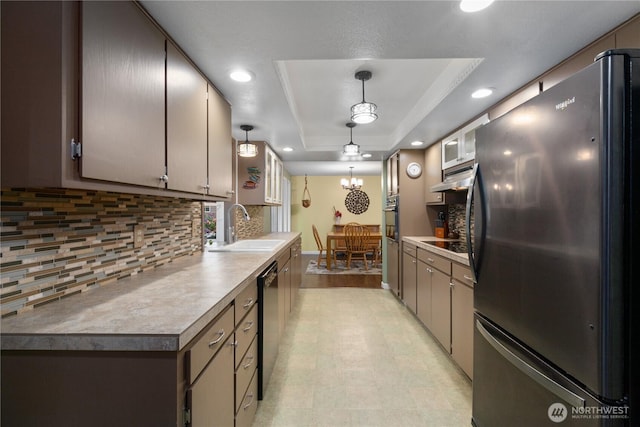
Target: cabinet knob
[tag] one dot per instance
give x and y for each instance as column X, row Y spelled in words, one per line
column 164, row 178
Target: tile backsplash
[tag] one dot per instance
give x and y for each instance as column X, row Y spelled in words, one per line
column 58, row 242
column 252, row 228
column 456, row 218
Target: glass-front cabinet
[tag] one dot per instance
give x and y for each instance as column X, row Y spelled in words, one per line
column 460, row 147
column 260, row 177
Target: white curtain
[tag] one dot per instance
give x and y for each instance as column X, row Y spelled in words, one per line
column 281, row 215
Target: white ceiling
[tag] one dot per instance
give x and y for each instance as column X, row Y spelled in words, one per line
column 426, row 58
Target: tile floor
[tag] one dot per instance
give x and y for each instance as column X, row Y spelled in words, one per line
column 357, row 357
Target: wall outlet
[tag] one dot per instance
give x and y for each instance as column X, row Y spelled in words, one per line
column 138, row 236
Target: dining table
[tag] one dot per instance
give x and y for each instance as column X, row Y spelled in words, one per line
column 333, row 236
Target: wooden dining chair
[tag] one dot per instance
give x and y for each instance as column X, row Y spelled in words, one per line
column 357, row 240
column 340, row 245
column 321, row 248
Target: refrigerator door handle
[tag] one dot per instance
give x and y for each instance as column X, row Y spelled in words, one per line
column 467, row 223
column 546, row 382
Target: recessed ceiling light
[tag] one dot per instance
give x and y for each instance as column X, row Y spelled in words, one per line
column 482, row 93
column 366, row 155
column 242, row 76
column 417, row 143
column 474, row 5
column 287, row 149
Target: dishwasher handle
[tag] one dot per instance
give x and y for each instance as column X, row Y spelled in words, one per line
column 269, row 275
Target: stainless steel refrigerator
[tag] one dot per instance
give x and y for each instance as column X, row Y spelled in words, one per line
column 555, row 254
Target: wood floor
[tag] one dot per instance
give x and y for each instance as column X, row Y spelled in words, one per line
column 338, row 280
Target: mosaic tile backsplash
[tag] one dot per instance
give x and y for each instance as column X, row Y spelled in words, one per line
column 56, row 243
column 456, row 215
column 252, row 228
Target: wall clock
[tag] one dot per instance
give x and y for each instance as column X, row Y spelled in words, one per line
column 414, row 170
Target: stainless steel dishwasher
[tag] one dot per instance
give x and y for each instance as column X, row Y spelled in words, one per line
column 267, row 325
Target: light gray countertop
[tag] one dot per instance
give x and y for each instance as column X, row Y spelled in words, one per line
column 157, row 310
column 419, row 242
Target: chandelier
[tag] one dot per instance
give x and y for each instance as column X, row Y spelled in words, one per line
column 351, row 183
column 364, row 112
column 247, row 149
column 351, row 149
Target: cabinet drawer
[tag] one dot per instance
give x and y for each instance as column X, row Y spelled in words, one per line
column 245, row 332
column 210, row 399
column 207, row 344
column 462, row 274
column 249, row 405
column 245, row 301
column 284, row 258
column 245, row 371
column 409, row 249
column 441, row 263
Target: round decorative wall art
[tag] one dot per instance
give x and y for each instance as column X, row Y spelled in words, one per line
column 357, row 202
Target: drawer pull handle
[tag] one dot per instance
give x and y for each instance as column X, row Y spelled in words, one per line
column 245, row 407
column 248, row 304
column 250, row 359
column 431, row 260
column 214, row 342
column 233, row 343
column 467, row 277
column 250, row 323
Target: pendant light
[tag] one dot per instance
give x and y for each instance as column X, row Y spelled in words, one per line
column 351, row 183
column 351, row 149
column 247, row 149
column 364, row 112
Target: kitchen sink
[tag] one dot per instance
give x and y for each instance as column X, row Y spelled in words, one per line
column 248, row 245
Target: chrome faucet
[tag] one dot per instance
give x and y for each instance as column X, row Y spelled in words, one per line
column 231, row 236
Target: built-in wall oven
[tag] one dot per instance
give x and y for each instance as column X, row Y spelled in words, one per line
column 391, row 220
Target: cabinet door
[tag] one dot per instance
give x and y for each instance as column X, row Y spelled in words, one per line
column 287, row 291
column 424, row 278
column 450, row 151
column 393, row 167
column 441, row 308
column 211, row 398
column 277, row 180
column 296, row 276
column 220, row 145
column 462, row 326
column 433, row 174
column 409, row 279
column 123, row 69
column 186, row 124
column 268, row 176
column 284, row 292
column 468, row 148
column 393, row 266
